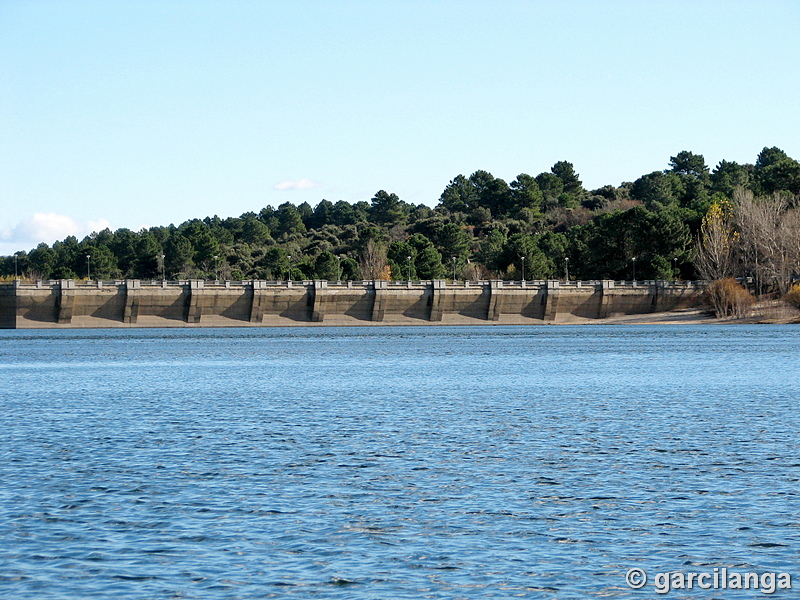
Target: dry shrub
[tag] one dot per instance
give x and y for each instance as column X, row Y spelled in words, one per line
column 728, row 299
column 793, row 297
column 386, row 273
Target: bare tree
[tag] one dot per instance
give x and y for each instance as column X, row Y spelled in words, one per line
column 769, row 238
column 759, row 236
column 789, row 239
column 373, row 261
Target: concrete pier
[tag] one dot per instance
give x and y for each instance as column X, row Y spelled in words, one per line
column 196, row 303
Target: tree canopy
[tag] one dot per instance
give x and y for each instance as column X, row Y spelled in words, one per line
column 481, row 226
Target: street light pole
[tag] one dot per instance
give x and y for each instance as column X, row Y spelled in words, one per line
column 566, row 267
column 634, row 269
column 674, row 268
column 339, row 269
column 88, row 269
column 523, row 268
column 454, row 269
column 409, row 268
column 289, row 272
column 163, row 271
column 15, row 266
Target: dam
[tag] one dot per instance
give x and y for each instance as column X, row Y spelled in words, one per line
column 196, row 303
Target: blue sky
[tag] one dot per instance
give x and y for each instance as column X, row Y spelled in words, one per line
column 130, row 114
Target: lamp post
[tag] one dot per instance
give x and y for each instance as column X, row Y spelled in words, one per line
column 88, row 269
column 566, row 267
column 339, row 269
column 409, row 268
column 289, row 272
column 216, row 267
column 163, row 272
column 634, row 269
column 523, row 268
column 454, row 269
column 15, row 266
column 674, row 268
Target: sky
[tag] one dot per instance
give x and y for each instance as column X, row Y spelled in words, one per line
column 140, row 113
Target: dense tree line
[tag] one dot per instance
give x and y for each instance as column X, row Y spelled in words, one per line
column 482, row 227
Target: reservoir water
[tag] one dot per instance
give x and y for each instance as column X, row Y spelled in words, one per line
column 393, row 463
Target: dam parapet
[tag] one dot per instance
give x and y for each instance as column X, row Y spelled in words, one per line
column 67, row 303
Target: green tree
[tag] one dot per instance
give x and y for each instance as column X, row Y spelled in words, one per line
column 269, row 216
column 326, row 266
column 217, row 228
column 522, row 245
column 306, row 213
column 290, row 221
column 205, row 245
column 694, row 196
column 178, row 256
column 565, row 171
column 551, row 187
column 687, row 163
column 492, row 193
column 727, row 176
column 526, row 193
column 68, row 263
column 41, row 262
column 460, row 195
column 657, row 189
column 387, row 209
column 397, row 257
column 148, row 257
column 343, row 213
column 323, row 214
column 254, row 231
column 103, row 263
column 361, row 211
column 275, row 264
column 775, row 171
column 349, row 269
column 491, row 250
column 123, row 245
column 453, row 240
column 428, row 264
column 555, row 247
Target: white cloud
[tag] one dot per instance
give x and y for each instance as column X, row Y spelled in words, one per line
column 299, row 184
column 47, row 227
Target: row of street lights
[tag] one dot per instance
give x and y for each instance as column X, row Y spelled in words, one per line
column 566, row 267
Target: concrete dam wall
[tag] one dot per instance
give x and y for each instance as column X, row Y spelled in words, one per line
column 196, row 303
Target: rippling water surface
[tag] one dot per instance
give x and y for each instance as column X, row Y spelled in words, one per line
column 486, row 462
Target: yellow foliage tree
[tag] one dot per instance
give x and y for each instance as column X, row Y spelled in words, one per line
column 716, row 244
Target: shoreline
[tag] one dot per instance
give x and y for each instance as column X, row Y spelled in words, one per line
column 770, row 312
column 687, row 316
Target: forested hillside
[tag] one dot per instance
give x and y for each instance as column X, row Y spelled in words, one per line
column 482, row 227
